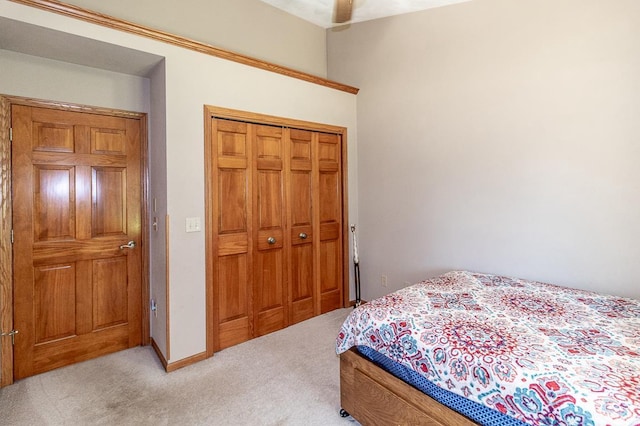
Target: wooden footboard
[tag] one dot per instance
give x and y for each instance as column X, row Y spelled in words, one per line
column 375, row 397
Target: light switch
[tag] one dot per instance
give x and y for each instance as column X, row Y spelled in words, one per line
column 193, row 224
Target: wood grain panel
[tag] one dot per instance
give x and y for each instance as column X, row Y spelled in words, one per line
column 66, row 250
column 328, row 148
column 301, row 207
column 233, row 244
column 269, row 204
column 270, row 320
column 330, row 275
column 108, row 141
column 231, row 138
column 232, row 203
column 234, row 332
column 263, row 242
column 54, row 210
column 302, row 271
column 268, row 143
column 269, row 293
column 109, row 199
column 330, row 259
column 233, row 300
column 104, row 292
column 228, row 185
column 329, row 201
column 6, row 260
column 233, row 295
column 53, row 137
column 302, row 263
column 56, row 354
column 269, row 184
column 268, row 289
column 330, row 231
column 110, row 298
column 80, row 159
column 302, row 280
column 55, row 302
column 330, row 222
column 302, row 234
column 300, row 141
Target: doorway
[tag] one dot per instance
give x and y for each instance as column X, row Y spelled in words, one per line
column 76, row 208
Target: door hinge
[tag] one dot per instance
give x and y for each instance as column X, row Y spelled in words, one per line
column 12, row 333
column 12, row 236
column 10, row 134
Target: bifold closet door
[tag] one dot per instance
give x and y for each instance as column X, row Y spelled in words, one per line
column 302, row 183
column 270, row 241
column 329, row 152
column 232, row 207
column 276, row 227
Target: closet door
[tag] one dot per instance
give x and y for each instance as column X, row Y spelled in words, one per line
column 232, row 207
column 330, row 220
column 274, row 225
column 270, row 248
column 302, row 279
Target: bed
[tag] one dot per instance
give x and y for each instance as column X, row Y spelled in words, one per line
column 524, row 352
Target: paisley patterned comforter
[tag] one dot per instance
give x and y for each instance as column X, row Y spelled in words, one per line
column 543, row 354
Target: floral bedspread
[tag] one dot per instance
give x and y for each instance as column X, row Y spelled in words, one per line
column 544, row 354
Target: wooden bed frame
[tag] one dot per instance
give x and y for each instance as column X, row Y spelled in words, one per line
column 373, row 396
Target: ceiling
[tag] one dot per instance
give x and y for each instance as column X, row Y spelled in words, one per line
column 320, row 12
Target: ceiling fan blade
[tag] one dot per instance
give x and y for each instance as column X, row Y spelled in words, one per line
column 343, row 11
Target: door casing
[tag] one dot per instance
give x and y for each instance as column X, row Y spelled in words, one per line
column 6, row 211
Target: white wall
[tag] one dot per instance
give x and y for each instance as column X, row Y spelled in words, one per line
column 158, row 207
column 40, row 78
column 191, row 81
column 498, row 136
column 250, row 27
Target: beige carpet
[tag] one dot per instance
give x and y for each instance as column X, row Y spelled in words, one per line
column 290, row 377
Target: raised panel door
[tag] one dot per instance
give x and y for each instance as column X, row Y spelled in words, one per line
column 330, row 221
column 270, row 280
column 77, row 295
column 232, row 204
column 274, row 211
column 302, row 281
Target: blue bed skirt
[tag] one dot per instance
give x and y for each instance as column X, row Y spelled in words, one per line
column 474, row 411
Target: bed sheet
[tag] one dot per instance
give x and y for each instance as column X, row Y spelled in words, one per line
column 540, row 353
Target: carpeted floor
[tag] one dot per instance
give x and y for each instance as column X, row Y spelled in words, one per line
column 290, row 377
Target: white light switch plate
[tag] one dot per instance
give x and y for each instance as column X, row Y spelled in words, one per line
column 193, row 224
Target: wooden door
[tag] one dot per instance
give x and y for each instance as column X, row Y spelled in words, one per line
column 302, row 287
column 270, row 305
column 330, row 263
column 76, row 201
column 230, row 180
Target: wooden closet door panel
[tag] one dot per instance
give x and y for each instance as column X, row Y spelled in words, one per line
column 232, row 204
column 269, row 283
column 330, row 212
column 301, row 262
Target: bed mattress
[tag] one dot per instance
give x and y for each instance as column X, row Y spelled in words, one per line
column 538, row 353
column 474, row 411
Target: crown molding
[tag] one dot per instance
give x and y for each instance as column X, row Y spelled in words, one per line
column 184, row 42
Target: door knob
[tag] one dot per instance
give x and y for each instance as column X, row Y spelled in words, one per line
column 11, row 333
column 303, row 236
column 271, row 240
column 131, row 244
